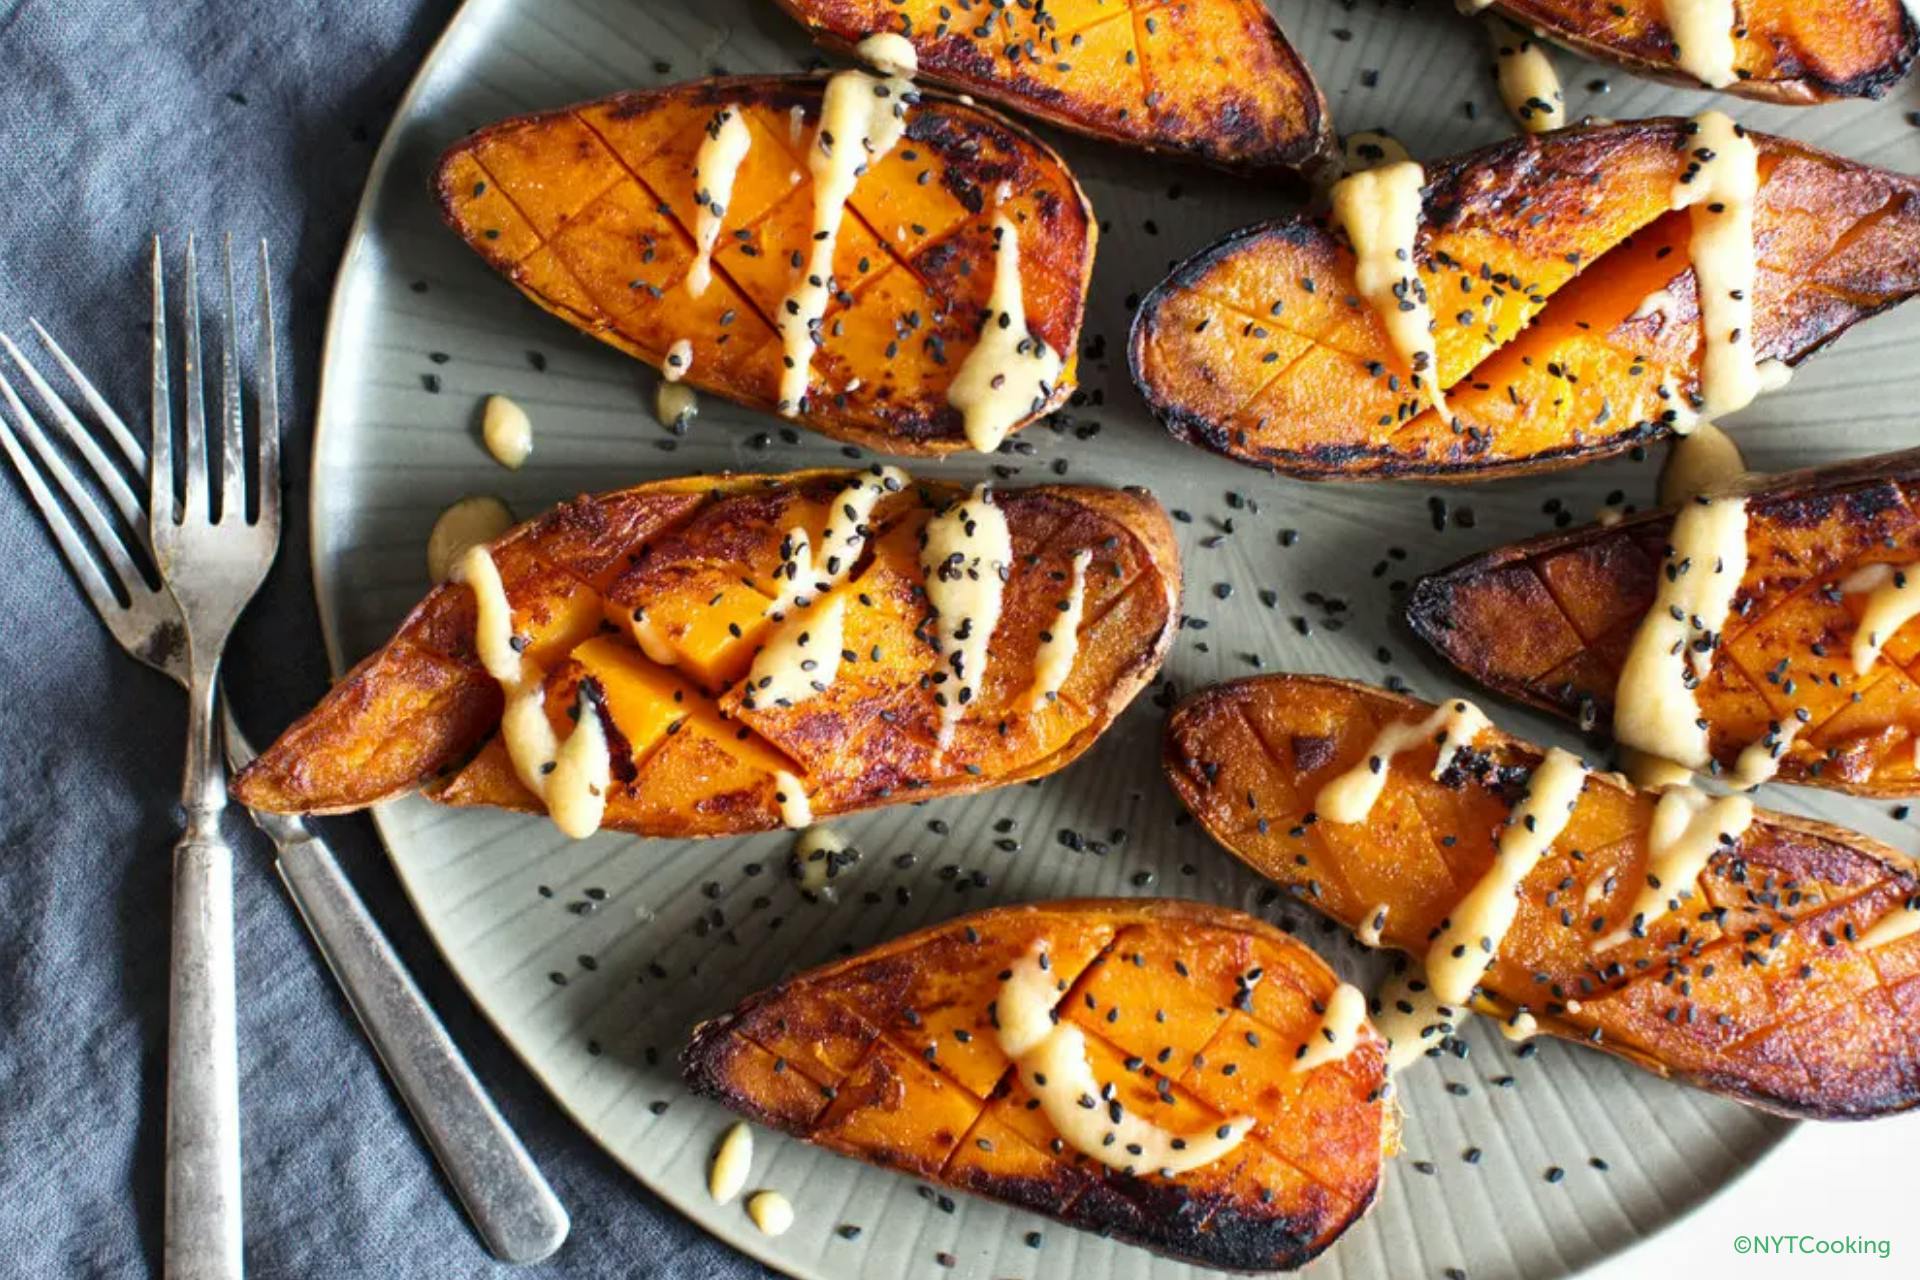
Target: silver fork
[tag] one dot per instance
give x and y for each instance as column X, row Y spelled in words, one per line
column 212, row 557
column 515, row 1211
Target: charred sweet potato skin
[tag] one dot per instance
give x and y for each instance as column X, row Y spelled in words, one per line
column 590, row 212
column 1753, row 989
column 700, row 558
column 1565, row 606
column 892, row 1056
column 1210, row 80
column 1537, row 254
column 1796, row 52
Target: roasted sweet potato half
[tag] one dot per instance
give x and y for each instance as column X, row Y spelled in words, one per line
column 1537, row 254
column 1212, row 80
column 1790, row 51
column 1761, row 985
column 593, row 212
column 1549, row 622
column 1194, row 1015
column 689, row 572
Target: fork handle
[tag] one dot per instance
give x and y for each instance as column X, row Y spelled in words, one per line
column 512, row 1207
column 203, row 1088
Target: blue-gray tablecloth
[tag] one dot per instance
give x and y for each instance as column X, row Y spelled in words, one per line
column 120, row 118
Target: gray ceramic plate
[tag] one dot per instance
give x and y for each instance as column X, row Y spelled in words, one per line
column 593, row 958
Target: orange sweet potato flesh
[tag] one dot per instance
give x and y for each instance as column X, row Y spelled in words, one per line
column 699, row 556
column 1753, row 988
column 1536, row 254
column 892, row 1056
column 590, row 212
column 1548, row 622
column 1790, row 51
column 1211, row 80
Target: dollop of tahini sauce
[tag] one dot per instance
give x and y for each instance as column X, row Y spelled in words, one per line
column 966, row 555
column 1703, row 39
column 732, row 1161
column 571, row 777
column 861, row 120
column 1380, row 211
column 889, row 53
column 1052, row 1059
column 1010, row 373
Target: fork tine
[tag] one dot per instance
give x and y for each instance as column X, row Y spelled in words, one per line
column 233, row 493
column 267, row 398
column 162, row 507
column 91, row 580
column 105, row 472
column 194, row 447
column 131, row 448
column 105, row 538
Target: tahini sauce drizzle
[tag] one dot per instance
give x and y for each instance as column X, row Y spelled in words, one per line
column 1688, row 826
column 1703, row 39
column 1060, row 640
column 715, row 166
column 1470, row 937
column 1338, row 1032
column 1052, row 1059
column 805, row 573
column 571, row 777
column 1759, row 760
column 861, row 119
column 1011, row 372
column 1719, row 184
column 1412, row 1018
column 802, row 659
column 1528, row 83
column 1350, row 796
column 1380, row 211
column 1655, row 707
column 1702, row 460
column 966, row 555
column 1893, row 599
